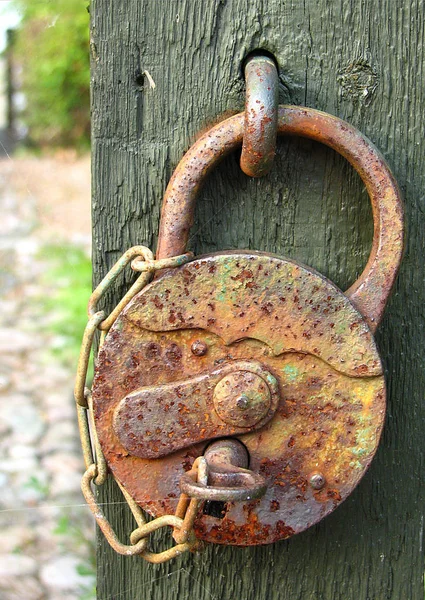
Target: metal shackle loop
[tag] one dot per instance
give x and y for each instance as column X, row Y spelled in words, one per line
column 370, row 292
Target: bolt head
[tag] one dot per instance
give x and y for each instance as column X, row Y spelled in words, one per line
column 317, row 481
column 242, row 402
column 199, row 348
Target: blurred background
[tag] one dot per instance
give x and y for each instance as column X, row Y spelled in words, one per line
column 46, row 531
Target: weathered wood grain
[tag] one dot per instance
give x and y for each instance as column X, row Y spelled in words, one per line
column 361, row 61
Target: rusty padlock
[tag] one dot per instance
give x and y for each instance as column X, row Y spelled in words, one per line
column 251, row 347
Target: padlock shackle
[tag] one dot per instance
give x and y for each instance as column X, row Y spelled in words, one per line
column 369, row 294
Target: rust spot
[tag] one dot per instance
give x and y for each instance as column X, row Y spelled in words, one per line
column 362, row 369
column 243, row 275
column 157, row 302
column 267, row 308
column 152, row 351
column 283, row 530
column 334, row 495
column 173, row 353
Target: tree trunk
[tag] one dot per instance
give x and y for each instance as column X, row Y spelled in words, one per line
column 360, row 61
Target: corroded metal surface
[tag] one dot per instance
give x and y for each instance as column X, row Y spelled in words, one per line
column 154, row 421
column 261, row 104
column 242, row 399
column 370, row 292
column 279, row 302
column 305, row 332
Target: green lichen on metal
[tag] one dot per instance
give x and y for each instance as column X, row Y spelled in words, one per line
column 291, row 372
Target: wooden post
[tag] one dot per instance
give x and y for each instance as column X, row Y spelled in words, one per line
column 162, row 70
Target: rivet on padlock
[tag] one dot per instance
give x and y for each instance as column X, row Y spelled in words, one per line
column 253, row 347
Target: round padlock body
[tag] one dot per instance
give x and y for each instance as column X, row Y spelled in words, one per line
column 229, row 309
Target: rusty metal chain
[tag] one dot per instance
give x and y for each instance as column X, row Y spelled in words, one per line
column 142, row 260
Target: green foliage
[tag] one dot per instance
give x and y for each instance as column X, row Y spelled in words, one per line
column 52, row 46
column 34, row 483
column 67, row 282
column 84, row 569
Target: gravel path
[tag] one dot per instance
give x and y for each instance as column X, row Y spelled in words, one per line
column 46, row 531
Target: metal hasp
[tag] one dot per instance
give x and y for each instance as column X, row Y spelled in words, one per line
column 156, row 420
column 261, row 106
column 252, row 346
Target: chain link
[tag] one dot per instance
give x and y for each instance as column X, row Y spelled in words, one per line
column 142, row 260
